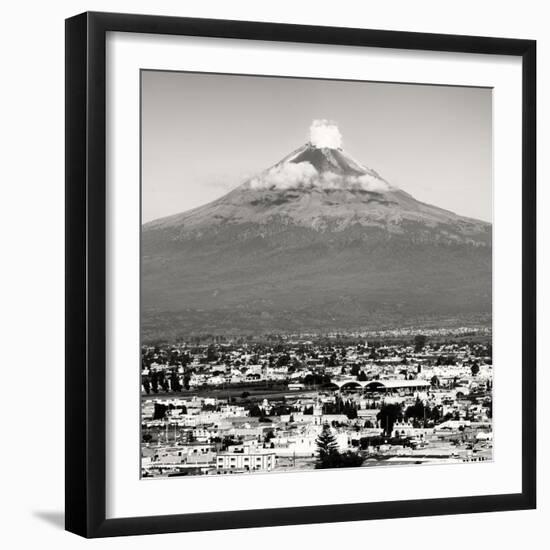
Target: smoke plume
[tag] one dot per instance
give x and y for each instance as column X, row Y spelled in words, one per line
column 324, row 133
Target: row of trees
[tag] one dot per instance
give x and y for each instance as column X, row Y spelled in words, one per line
column 172, row 357
column 341, row 406
column 421, row 415
column 159, row 381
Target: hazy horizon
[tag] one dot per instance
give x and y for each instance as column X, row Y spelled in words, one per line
column 204, row 134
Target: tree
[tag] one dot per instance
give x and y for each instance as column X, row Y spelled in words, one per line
column 435, row 414
column 434, row 381
column 474, row 368
column 326, row 443
column 158, row 381
column 255, row 410
column 279, row 410
column 340, row 460
column 349, row 460
column 330, row 457
column 283, row 360
column 388, row 415
column 419, row 342
column 160, row 411
column 175, row 381
column 349, row 409
column 211, row 355
column 417, row 411
column 316, row 379
column 154, row 382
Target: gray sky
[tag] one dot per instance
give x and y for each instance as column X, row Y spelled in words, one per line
column 204, row 134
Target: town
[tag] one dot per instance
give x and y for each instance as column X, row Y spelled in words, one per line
column 216, row 406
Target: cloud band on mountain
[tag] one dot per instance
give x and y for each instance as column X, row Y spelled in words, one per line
column 304, row 175
column 286, row 176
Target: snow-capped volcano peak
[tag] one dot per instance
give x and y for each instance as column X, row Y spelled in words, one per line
column 320, row 163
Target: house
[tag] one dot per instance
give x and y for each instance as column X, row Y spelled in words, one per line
column 253, row 460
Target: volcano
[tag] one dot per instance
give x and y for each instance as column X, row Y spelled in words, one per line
column 316, row 243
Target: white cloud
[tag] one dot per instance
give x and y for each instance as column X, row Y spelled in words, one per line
column 324, row 133
column 303, row 175
column 372, row 183
column 286, row 176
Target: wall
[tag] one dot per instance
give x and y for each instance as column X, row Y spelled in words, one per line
column 31, row 293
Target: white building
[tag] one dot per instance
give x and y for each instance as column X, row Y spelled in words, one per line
column 257, row 460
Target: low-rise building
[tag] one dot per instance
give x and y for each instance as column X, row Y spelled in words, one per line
column 254, row 460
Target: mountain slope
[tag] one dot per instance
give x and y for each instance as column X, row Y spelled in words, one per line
column 317, row 242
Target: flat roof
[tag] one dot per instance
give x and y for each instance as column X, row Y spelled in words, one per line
column 399, row 383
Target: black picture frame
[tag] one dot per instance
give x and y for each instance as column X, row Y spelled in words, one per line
column 86, row 284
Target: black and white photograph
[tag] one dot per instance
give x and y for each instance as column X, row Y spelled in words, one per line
column 316, row 274
column 274, row 274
